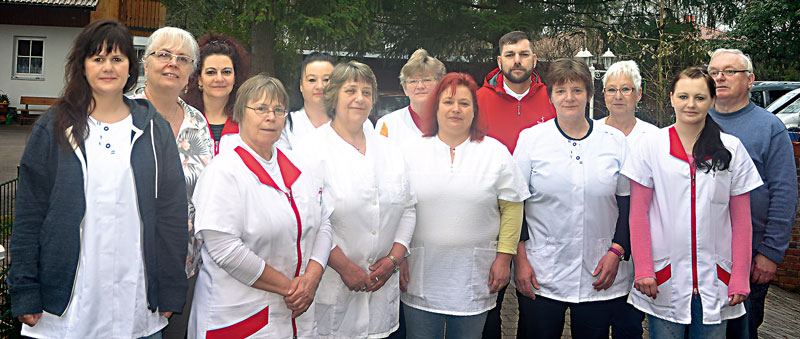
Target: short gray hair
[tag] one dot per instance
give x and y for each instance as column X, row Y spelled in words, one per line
column 342, row 73
column 173, row 36
column 422, row 63
column 254, row 88
column 748, row 64
column 625, row 67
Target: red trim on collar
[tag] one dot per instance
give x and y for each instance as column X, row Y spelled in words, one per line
column 675, row 145
column 289, row 171
column 229, row 128
column 415, row 118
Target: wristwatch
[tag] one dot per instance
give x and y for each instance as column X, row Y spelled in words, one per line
column 616, row 251
column 394, row 262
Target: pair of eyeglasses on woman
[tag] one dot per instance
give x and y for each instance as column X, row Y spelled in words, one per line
column 625, row 91
column 165, row 57
column 416, row 82
column 279, row 112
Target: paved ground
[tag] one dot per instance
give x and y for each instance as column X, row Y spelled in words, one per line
column 12, row 143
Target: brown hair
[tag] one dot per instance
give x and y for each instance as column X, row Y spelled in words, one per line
column 449, row 83
column 566, row 69
column 254, row 88
column 513, row 38
column 221, row 44
column 344, row 72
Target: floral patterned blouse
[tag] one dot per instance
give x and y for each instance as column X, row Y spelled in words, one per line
column 196, row 148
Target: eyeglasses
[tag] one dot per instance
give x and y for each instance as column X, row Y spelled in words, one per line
column 279, row 112
column 165, row 57
column 626, row 91
column 416, row 82
column 727, row 72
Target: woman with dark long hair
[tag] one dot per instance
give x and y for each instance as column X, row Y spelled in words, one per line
column 99, row 238
column 690, row 218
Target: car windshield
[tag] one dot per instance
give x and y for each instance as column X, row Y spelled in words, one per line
column 793, row 108
column 777, row 104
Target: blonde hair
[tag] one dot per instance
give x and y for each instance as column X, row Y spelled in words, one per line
column 421, row 63
column 254, row 88
column 169, row 37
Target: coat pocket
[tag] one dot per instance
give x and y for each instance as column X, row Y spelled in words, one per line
column 482, row 259
column 663, row 270
column 542, row 260
column 237, row 321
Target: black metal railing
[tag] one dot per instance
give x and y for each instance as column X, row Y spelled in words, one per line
column 9, row 327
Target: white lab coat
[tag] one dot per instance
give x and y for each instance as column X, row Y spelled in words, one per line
column 230, row 198
column 398, row 126
column 458, row 222
column 373, row 209
column 637, row 133
column 660, row 162
column 572, row 211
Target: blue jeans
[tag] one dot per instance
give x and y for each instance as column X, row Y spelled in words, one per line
column 429, row 325
column 664, row 329
column 747, row 325
column 156, row 335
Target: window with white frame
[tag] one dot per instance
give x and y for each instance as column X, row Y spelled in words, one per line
column 28, row 58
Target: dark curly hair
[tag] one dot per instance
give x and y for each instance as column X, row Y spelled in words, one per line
column 211, row 44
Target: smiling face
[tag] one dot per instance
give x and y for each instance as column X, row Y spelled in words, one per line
column 315, row 78
column 107, row 72
column 217, row 76
column 354, row 102
column 169, row 76
column 691, row 101
column 517, row 61
column 619, row 103
column 569, row 99
column 456, row 111
column 261, row 131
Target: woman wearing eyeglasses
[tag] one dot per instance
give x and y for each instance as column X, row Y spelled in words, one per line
column 170, row 57
column 265, row 229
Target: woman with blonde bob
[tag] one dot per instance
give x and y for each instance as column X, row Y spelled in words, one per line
column 374, row 214
column 263, row 220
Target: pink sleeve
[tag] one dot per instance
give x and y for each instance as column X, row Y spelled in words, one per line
column 641, row 245
column 741, row 245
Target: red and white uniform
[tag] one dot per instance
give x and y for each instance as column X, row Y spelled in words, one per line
column 278, row 220
column 690, row 226
column 229, row 138
column 399, row 126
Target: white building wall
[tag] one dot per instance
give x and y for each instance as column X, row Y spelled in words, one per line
column 58, row 41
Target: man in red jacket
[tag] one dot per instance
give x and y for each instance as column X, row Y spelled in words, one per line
column 513, row 96
column 512, row 99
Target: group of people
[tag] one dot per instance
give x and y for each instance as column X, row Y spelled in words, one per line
column 201, row 206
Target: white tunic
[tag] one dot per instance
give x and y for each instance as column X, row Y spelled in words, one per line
column 458, row 222
column 374, row 208
column 302, row 127
column 398, row 126
column 231, row 198
column 109, row 297
column 572, row 212
column 661, row 163
column 637, row 133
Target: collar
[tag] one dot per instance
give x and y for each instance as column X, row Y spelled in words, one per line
column 289, row 172
column 591, row 127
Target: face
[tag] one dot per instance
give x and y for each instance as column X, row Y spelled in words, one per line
column 107, row 72
column 217, row 76
column 314, row 80
column 691, row 101
column 517, row 61
column 418, row 86
column 620, row 103
column 456, row 111
column 168, row 74
column 569, row 99
column 355, row 101
column 735, row 87
column 261, row 131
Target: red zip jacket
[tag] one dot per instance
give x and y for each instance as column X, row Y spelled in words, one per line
column 504, row 116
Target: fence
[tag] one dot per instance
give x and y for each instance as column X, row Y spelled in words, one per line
column 9, row 327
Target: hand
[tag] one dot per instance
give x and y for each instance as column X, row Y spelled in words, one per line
column 607, row 269
column 500, row 272
column 354, row 278
column 381, row 272
column 763, row 270
column 736, row 298
column 647, row 286
column 524, row 276
column 404, row 277
column 301, row 294
column 165, row 314
column 30, row 319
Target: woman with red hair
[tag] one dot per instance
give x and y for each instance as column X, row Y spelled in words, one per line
column 469, row 216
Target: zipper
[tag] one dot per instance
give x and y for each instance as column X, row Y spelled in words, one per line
column 518, row 108
column 290, row 196
column 693, row 173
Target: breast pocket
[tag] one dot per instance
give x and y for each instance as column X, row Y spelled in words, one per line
column 721, row 186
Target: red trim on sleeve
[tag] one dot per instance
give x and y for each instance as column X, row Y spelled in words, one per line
column 242, row 329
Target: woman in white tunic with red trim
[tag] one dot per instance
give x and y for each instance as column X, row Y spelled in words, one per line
column 469, row 215
column 690, row 219
column 265, row 230
column 374, row 211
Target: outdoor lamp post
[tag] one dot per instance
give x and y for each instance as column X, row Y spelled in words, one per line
column 607, row 60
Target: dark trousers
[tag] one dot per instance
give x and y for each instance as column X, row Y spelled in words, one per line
column 401, row 329
column 176, row 329
column 544, row 317
column 626, row 321
column 747, row 325
column 491, row 330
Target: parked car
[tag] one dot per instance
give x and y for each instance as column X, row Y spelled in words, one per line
column 388, row 103
column 764, row 93
column 787, row 108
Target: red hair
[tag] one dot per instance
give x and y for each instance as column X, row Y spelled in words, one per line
column 450, row 81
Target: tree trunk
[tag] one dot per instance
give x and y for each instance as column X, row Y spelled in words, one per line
column 262, row 54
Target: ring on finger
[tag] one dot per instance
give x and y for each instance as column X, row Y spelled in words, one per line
column 376, row 280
